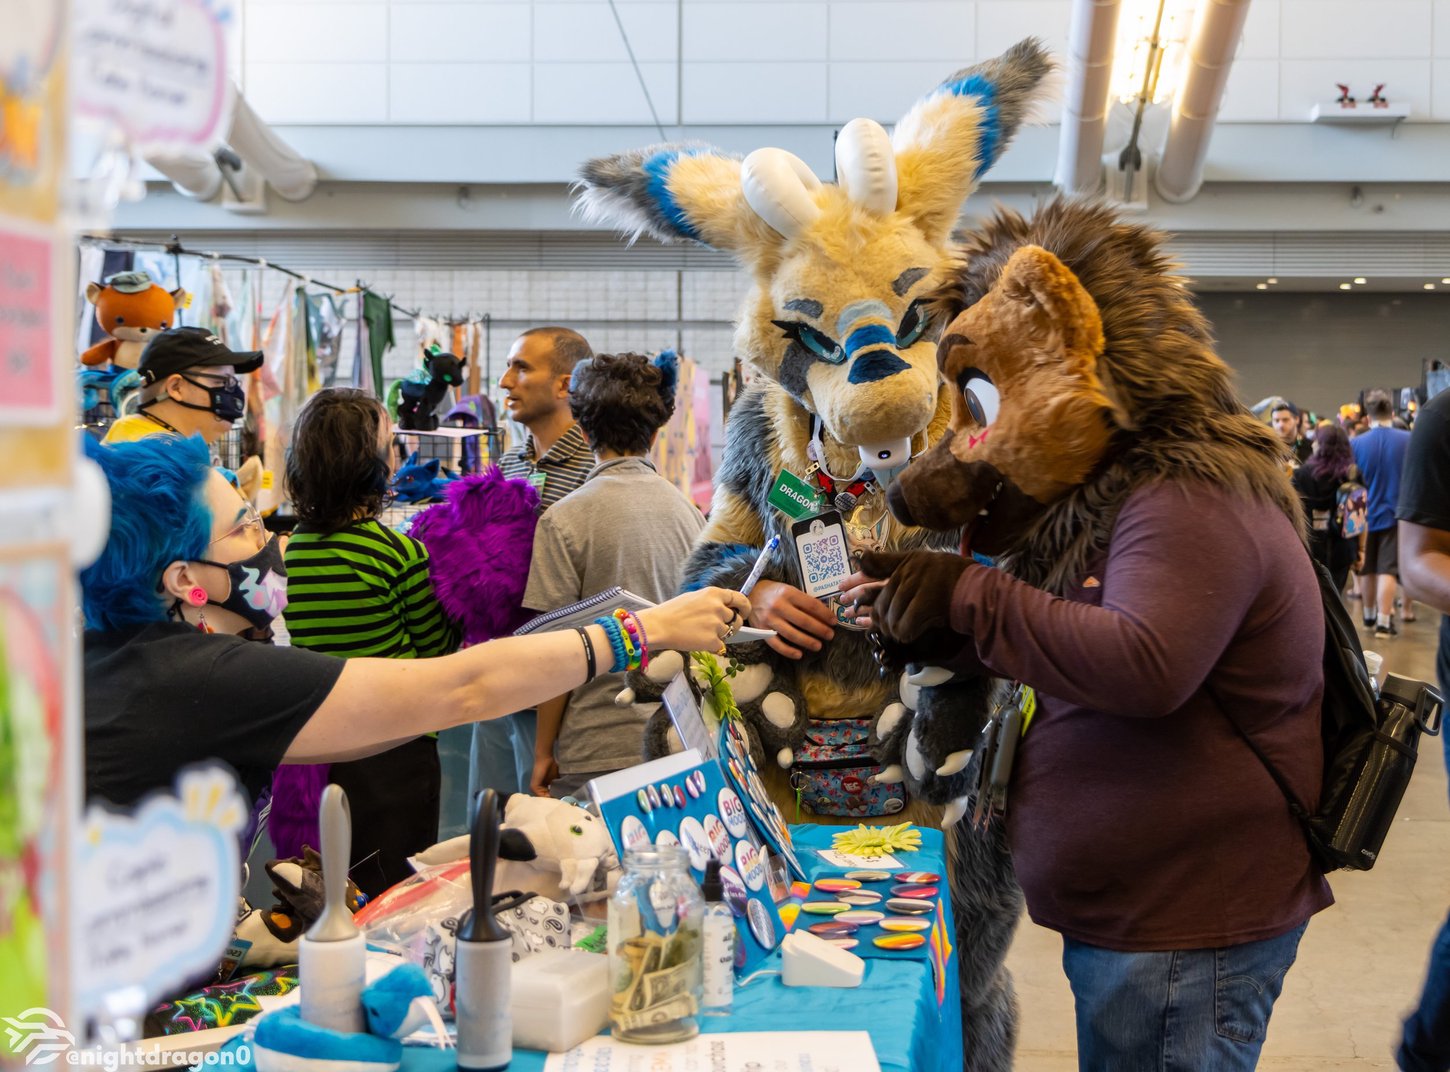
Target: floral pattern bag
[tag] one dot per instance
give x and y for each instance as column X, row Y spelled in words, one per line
column 833, row 769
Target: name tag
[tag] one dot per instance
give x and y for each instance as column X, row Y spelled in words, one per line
column 537, row 480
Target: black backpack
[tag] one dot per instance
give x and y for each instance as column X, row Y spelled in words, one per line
column 1369, row 746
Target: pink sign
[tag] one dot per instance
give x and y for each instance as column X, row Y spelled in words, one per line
column 28, row 387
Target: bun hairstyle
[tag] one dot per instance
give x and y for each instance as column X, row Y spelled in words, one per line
column 622, row 400
column 336, row 472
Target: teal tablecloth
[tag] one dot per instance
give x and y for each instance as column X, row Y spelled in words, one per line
column 897, row 1003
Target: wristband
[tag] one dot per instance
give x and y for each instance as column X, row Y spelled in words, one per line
column 590, row 668
column 615, row 632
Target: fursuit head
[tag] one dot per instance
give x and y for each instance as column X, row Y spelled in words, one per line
column 838, row 326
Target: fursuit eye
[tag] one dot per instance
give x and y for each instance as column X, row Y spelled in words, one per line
column 913, row 325
column 818, row 343
column 981, row 396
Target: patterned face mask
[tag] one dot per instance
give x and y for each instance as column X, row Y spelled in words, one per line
column 259, row 585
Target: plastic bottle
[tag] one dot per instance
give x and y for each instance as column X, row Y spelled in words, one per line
column 719, row 928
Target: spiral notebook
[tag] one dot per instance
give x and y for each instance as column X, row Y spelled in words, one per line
column 586, row 610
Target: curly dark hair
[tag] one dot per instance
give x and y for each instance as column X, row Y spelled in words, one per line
column 336, row 472
column 620, row 401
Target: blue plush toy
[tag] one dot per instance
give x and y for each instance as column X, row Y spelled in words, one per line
column 417, row 482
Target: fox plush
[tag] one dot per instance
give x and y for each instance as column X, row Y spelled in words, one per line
column 131, row 310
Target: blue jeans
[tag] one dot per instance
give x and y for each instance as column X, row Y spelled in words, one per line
column 1179, row 1011
column 503, row 754
column 1425, row 1046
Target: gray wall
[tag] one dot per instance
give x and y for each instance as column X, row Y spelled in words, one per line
column 1321, row 350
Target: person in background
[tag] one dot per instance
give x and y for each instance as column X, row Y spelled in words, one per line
column 1424, row 535
column 188, row 573
column 1284, row 416
column 554, row 458
column 1380, row 455
column 625, row 526
column 356, row 588
column 189, row 387
column 1317, row 481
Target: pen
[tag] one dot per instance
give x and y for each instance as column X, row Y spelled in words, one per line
column 759, row 567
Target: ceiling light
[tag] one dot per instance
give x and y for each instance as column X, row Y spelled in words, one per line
column 1445, row 280
column 1261, row 286
column 1360, row 280
column 1429, row 286
column 1142, row 62
column 1345, row 286
column 1272, row 280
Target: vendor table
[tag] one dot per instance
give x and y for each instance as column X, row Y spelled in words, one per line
column 897, row 1003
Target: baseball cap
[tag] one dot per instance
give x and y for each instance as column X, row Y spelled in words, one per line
column 179, row 349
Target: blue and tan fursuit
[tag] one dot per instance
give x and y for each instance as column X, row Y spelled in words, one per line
column 837, row 325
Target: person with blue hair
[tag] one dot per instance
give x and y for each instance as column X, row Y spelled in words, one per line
column 189, row 581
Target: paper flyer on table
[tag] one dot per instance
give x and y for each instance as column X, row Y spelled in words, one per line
column 849, row 860
column 746, row 1051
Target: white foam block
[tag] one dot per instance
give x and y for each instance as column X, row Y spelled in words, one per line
column 811, row 961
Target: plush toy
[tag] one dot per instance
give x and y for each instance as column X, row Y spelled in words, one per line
column 130, row 309
column 418, row 400
column 480, row 541
column 272, row 933
column 420, row 482
column 546, row 846
column 839, row 324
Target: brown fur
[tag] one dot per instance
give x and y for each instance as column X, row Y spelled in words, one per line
column 1171, row 397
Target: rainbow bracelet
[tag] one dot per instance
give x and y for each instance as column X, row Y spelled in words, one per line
column 634, row 638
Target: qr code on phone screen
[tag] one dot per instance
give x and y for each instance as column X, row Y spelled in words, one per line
column 825, row 559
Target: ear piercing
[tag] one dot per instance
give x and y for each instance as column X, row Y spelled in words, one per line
column 197, row 596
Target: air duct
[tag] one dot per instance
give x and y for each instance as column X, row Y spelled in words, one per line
column 1207, row 62
column 199, row 174
column 1091, row 38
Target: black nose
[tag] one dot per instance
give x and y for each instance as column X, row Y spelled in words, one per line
column 875, row 365
column 896, row 503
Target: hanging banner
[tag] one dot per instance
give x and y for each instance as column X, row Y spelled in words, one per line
column 156, row 70
column 30, row 372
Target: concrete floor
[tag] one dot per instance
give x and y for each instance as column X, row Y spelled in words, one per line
column 1361, row 962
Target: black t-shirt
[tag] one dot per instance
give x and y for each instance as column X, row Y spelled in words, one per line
column 164, row 695
column 1425, row 491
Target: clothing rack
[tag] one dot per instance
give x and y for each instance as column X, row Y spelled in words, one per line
column 175, row 248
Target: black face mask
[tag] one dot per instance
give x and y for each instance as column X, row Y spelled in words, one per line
column 228, row 403
column 259, row 585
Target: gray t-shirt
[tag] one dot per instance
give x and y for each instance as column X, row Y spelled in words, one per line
column 628, row 526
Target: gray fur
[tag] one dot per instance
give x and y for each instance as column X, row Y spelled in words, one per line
column 807, row 306
column 1015, row 76
column 794, row 366
column 904, row 282
column 615, row 190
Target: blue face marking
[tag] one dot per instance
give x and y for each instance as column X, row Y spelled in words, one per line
column 869, row 335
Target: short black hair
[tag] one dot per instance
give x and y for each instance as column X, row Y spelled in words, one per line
column 1284, row 403
column 1377, row 405
column 336, row 472
column 570, row 347
column 620, row 401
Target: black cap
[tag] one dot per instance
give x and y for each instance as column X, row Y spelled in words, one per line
column 712, row 888
column 179, row 349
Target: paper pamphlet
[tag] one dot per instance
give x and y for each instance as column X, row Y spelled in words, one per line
column 746, row 1051
column 586, row 610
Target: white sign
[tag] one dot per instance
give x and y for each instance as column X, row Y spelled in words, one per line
column 155, row 68
column 160, row 889
column 746, row 1051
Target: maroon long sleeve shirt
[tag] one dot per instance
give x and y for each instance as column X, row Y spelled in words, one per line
column 1138, row 818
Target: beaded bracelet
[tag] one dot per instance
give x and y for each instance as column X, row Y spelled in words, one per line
column 634, row 636
column 615, row 632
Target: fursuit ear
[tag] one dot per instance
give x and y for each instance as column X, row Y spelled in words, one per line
column 668, row 362
column 675, row 193
column 959, row 130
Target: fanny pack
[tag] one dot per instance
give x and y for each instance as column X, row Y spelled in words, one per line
column 833, row 768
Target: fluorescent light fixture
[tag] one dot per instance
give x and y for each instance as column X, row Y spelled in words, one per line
column 1360, row 280
column 1134, row 58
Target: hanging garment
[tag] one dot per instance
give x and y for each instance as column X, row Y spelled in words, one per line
column 377, row 320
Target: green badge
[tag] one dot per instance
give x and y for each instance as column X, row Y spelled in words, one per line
column 793, row 497
column 537, row 480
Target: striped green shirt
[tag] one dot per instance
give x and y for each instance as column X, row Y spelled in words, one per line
column 364, row 591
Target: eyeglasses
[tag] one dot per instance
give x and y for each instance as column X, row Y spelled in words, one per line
column 251, row 523
column 207, row 380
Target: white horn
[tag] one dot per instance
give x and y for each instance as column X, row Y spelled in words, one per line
column 866, row 165
column 778, row 185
